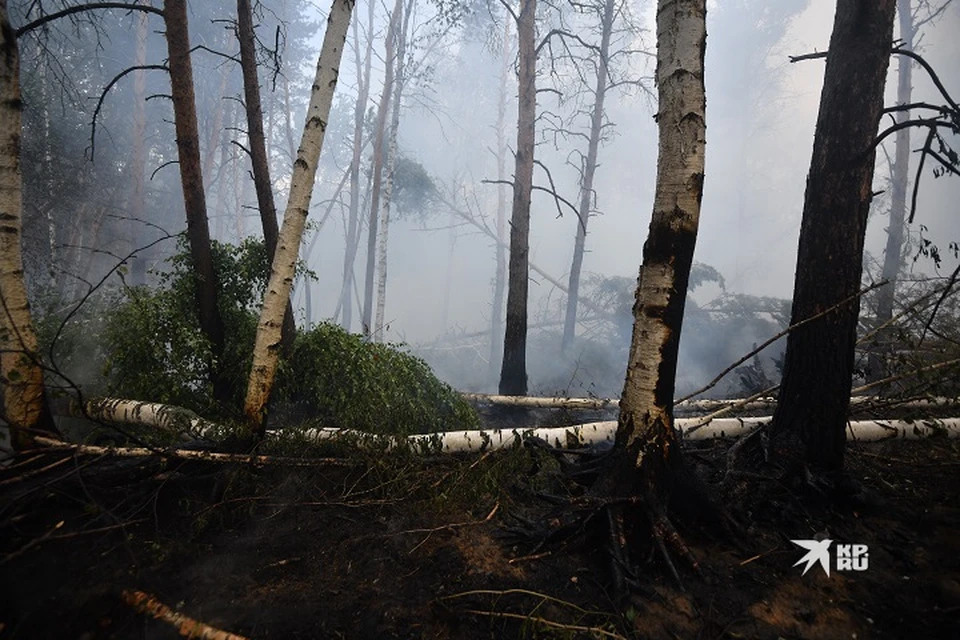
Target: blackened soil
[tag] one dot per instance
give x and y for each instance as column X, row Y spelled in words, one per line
column 397, row 547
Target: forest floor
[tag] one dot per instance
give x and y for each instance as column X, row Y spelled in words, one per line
column 394, row 546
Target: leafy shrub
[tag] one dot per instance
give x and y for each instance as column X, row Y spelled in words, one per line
column 156, row 351
column 347, row 382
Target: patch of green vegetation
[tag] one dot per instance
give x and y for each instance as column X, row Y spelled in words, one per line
column 155, row 351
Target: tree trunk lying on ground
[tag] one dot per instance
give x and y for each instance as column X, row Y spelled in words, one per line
column 179, row 420
column 689, row 406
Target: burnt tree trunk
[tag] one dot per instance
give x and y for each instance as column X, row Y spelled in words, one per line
column 589, row 171
column 513, row 373
column 188, row 150
column 258, row 153
column 811, row 414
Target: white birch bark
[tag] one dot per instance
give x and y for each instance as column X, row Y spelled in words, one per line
column 266, row 348
column 24, row 404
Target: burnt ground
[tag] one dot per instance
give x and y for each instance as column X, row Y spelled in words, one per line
column 392, row 546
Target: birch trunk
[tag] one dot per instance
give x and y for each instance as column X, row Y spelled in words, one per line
column 378, row 160
column 25, row 407
column 647, row 459
column 810, row 418
column 266, row 348
column 398, row 83
column 188, row 152
column 258, row 153
column 589, row 171
column 513, row 372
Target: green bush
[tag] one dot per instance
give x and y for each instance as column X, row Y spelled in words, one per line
column 344, row 381
column 156, row 351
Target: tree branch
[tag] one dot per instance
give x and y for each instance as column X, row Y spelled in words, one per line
column 39, row 22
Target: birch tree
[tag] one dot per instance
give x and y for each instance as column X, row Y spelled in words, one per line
column 24, row 407
column 811, row 416
column 269, row 327
column 647, row 461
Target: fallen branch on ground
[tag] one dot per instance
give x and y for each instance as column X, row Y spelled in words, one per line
column 186, row 626
column 50, row 444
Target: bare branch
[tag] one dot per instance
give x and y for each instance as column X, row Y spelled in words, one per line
column 39, row 22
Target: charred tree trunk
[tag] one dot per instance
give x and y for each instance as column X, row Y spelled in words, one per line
column 811, row 414
column 899, row 179
column 378, row 160
column 24, row 404
column 589, row 170
column 258, row 153
column 645, row 438
column 513, row 373
column 500, row 276
column 188, row 149
column 266, row 348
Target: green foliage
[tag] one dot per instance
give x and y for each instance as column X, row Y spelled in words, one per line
column 345, row 382
column 157, row 352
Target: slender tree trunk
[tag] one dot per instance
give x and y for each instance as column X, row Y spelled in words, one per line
column 815, row 393
column 513, row 373
column 266, row 348
column 24, row 407
column 899, row 179
column 222, row 211
column 500, row 276
column 645, row 436
column 589, row 170
column 359, row 117
column 378, row 160
column 188, row 148
column 138, row 160
column 258, row 153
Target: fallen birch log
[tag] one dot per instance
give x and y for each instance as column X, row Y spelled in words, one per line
column 690, row 406
column 703, row 428
column 167, row 417
column 592, row 433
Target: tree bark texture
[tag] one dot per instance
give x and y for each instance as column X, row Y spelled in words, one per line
column 815, row 392
column 899, row 180
column 269, row 327
column 513, row 373
column 645, row 437
column 589, row 171
column 258, row 153
column 24, row 405
column 188, row 150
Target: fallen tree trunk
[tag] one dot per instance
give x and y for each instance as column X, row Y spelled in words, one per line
column 179, row 420
column 692, row 406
